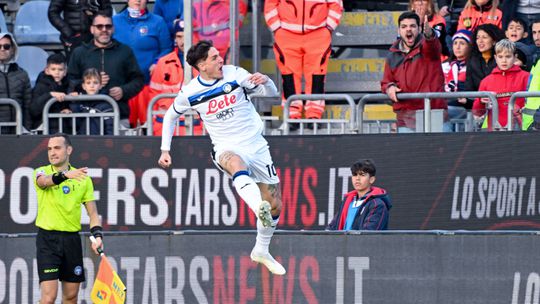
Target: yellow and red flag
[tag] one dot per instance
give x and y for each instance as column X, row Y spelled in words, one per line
column 108, row 287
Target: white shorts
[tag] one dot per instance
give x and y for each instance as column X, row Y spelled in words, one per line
column 258, row 160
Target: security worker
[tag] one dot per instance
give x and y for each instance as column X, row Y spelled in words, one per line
column 302, row 45
column 168, row 77
column 61, row 188
column 211, row 22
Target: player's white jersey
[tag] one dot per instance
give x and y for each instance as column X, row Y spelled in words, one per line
column 228, row 115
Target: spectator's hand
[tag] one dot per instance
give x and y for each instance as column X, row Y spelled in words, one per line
column 77, row 174
column 74, row 94
column 421, row 13
column 392, row 91
column 462, row 100
column 165, row 159
column 58, row 95
column 444, row 11
column 485, row 100
column 151, row 69
column 258, row 78
column 116, row 93
column 428, row 30
column 104, row 79
column 97, row 244
column 66, row 111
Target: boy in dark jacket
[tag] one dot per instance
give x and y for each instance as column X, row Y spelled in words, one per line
column 51, row 83
column 366, row 207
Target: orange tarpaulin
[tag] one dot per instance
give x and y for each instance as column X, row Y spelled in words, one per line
column 108, row 287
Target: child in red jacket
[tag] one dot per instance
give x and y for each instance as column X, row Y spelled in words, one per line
column 506, row 79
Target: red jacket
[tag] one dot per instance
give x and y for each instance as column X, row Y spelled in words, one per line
column 504, row 84
column 417, row 71
column 301, row 16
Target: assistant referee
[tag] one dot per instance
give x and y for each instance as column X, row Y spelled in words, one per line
column 61, row 189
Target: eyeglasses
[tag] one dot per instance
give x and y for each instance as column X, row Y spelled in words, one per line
column 6, row 47
column 102, row 27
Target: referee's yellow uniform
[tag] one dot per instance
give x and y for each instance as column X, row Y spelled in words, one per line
column 59, row 247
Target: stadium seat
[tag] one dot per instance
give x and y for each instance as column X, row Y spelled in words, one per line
column 33, row 60
column 3, row 25
column 32, row 25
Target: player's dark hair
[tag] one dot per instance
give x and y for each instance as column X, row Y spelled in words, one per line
column 67, row 140
column 409, row 15
column 364, row 165
column 56, row 59
column 198, row 52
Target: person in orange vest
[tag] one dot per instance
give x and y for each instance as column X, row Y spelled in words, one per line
column 168, row 77
column 211, row 22
column 303, row 35
column 478, row 12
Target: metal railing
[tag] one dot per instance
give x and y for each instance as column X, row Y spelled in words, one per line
column 188, row 116
column 427, row 104
column 512, row 103
column 115, row 114
column 18, row 123
column 351, row 121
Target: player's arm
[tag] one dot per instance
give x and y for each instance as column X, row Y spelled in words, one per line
column 44, row 181
column 179, row 105
column 257, row 83
column 95, row 225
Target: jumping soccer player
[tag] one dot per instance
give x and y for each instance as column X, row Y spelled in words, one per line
column 219, row 95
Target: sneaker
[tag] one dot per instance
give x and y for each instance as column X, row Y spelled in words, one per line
column 267, row 260
column 264, row 214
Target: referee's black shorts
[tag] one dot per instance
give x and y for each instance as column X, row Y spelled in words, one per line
column 59, row 256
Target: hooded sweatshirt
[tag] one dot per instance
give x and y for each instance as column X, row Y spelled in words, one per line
column 14, row 84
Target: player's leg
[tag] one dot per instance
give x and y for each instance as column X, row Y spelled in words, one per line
column 70, row 292
column 48, row 262
column 72, row 270
column 261, row 252
column 48, row 291
column 246, row 187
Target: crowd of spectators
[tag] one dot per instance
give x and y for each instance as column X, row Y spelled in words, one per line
column 126, row 48
column 465, row 36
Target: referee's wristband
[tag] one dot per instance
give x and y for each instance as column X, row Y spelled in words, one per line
column 97, row 231
column 58, row 178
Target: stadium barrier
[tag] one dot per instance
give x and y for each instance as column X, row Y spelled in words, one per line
column 408, row 267
column 18, row 123
column 93, row 113
column 342, row 122
column 512, row 104
column 150, row 113
column 449, row 181
column 427, row 104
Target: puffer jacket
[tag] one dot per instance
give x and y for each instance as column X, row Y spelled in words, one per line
column 15, row 84
column 117, row 60
column 41, row 93
column 74, row 17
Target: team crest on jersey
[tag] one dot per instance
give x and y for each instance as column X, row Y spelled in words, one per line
column 78, row 270
column 65, row 189
column 227, row 88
